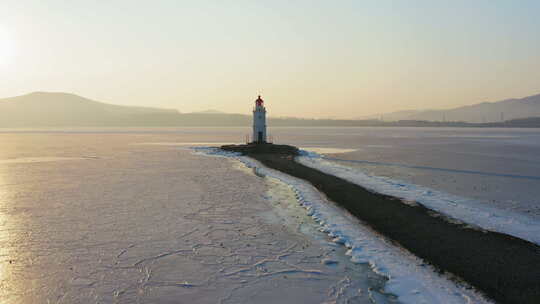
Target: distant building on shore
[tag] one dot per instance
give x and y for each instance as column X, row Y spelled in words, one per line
column 259, row 122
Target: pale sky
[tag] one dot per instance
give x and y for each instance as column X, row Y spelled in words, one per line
column 308, row 58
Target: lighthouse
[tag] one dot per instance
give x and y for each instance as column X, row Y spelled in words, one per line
column 259, row 122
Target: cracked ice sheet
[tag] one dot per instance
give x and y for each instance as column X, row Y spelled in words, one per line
column 147, row 223
column 409, row 278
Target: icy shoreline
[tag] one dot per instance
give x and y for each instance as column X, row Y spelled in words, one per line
column 462, row 209
column 409, row 278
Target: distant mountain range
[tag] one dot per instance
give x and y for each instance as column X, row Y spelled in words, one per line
column 485, row 112
column 45, row 109
column 63, row 109
column 209, row 112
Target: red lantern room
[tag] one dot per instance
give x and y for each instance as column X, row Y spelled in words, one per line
column 259, row 101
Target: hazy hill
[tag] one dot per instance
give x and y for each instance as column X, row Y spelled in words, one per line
column 61, row 109
column 209, row 112
column 481, row 112
column 42, row 109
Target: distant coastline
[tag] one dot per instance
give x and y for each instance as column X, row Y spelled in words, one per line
column 165, row 120
column 58, row 110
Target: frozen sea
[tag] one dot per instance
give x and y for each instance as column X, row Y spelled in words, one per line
column 104, row 217
column 498, row 167
column 139, row 216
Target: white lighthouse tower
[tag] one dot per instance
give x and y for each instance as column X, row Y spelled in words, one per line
column 259, row 122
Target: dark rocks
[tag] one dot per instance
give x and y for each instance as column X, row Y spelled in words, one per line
column 264, row 148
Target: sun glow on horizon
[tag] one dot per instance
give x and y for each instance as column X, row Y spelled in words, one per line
column 7, row 47
column 355, row 59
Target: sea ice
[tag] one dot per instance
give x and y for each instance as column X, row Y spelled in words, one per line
column 408, row 277
column 463, row 209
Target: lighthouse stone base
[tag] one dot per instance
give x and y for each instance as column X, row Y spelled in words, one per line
column 262, row 148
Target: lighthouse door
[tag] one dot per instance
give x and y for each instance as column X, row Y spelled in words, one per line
column 260, row 137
